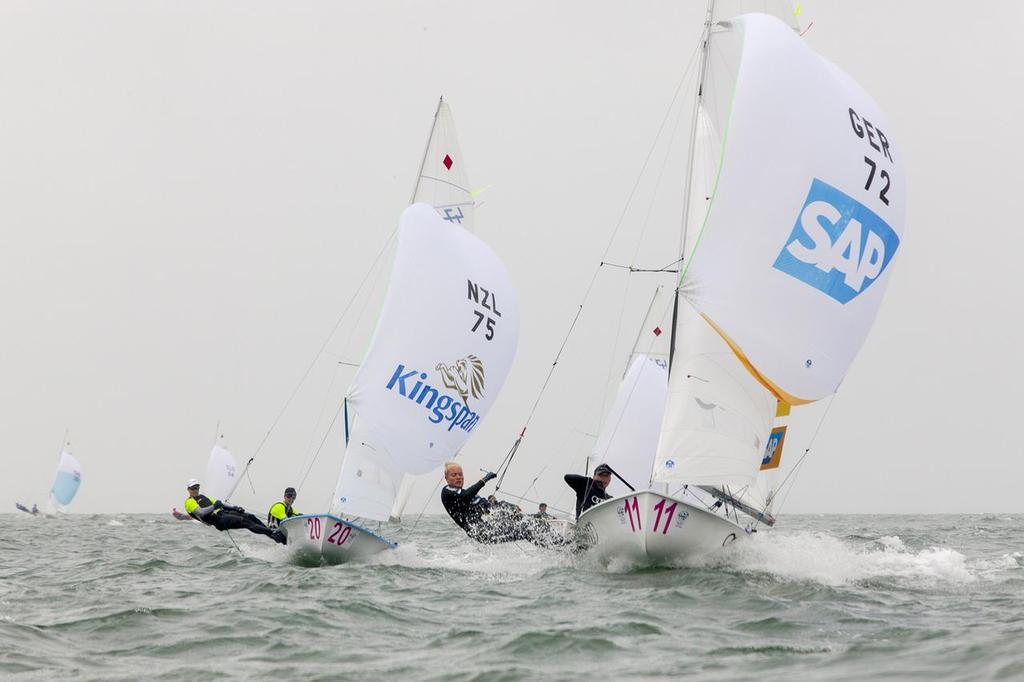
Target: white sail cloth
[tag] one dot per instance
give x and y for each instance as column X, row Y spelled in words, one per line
column 806, row 215
column 717, row 416
column 443, row 182
column 629, row 437
column 221, row 474
column 442, row 349
column 68, row 479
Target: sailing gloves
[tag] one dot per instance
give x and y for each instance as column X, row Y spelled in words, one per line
column 489, row 476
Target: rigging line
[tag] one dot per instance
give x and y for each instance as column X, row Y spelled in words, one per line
column 636, row 269
column 527, row 499
column 807, row 451
column 323, row 408
column 321, row 447
column 611, row 241
column 323, row 346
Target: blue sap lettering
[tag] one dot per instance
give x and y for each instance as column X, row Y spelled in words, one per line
column 821, row 243
column 400, row 378
column 442, row 404
column 838, row 245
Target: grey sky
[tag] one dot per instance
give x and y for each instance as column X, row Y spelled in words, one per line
column 190, row 193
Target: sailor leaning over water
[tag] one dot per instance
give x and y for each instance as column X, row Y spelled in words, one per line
column 474, row 514
column 224, row 516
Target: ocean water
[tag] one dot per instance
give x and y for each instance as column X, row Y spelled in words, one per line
column 131, row 597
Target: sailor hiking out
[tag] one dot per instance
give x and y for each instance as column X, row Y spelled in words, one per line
column 282, row 510
column 223, row 516
column 486, row 522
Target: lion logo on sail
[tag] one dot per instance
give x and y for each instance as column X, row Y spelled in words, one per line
column 465, row 377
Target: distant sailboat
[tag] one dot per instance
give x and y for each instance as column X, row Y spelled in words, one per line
column 443, row 345
column 67, row 481
column 797, row 227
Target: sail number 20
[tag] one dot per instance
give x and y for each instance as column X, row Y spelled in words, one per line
column 338, row 536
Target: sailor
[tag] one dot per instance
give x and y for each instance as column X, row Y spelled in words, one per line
column 590, row 491
column 542, row 511
column 35, row 509
column 282, row 510
column 466, row 508
column 224, row 516
column 477, row 516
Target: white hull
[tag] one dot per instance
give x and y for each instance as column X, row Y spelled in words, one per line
column 649, row 528
column 319, row 539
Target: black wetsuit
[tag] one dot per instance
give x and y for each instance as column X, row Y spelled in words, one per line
column 224, row 518
column 464, row 505
column 474, row 515
column 588, row 492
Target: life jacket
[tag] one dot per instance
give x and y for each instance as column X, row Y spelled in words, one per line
column 273, row 520
column 193, row 503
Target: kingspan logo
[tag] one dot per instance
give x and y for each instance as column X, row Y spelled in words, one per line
column 465, row 377
column 838, row 245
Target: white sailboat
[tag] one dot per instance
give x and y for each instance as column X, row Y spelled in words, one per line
column 67, row 481
column 796, row 225
column 443, row 346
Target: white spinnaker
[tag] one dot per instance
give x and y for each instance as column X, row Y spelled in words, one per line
column 67, row 480
column 629, row 436
column 780, row 9
column 443, row 181
column 717, row 416
column 443, row 346
column 221, row 474
column 795, row 307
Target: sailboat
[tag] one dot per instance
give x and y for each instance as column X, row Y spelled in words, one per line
column 67, row 481
column 442, row 348
column 796, row 224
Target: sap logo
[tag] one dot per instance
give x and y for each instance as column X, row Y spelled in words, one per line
column 440, row 406
column 838, row 245
column 670, row 464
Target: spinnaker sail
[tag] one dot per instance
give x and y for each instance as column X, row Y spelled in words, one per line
column 442, row 349
column 67, row 481
column 221, row 474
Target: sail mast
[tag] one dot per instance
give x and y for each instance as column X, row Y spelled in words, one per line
column 702, row 72
column 426, row 149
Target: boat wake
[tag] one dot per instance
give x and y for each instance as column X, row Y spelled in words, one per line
column 825, row 559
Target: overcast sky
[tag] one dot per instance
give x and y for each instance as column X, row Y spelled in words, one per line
column 191, row 192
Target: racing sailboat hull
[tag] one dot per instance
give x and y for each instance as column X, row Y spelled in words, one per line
column 650, row 529
column 326, row 539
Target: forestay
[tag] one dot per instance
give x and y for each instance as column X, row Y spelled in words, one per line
column 629, row 437
column 806, row 215
column 68, row 480
column 442, row 349
column 443, row 181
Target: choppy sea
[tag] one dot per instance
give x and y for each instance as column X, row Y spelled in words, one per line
column 133, row 597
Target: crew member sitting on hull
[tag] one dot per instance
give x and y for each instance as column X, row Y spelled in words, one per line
column 283, row 510
column 224, row 516
column 473, row 514
column 590, row 491
column 542, row 512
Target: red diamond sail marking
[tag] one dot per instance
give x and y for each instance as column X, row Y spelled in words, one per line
column 447, row 162
column 657, row 331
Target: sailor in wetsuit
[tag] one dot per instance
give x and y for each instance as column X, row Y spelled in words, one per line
column 590, row 491
column 224, row 516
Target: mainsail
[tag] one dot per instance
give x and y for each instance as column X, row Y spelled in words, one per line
column 68, row 480
column 629, row 437
column 442, row 181
column 443, row 346
column 221, row 474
